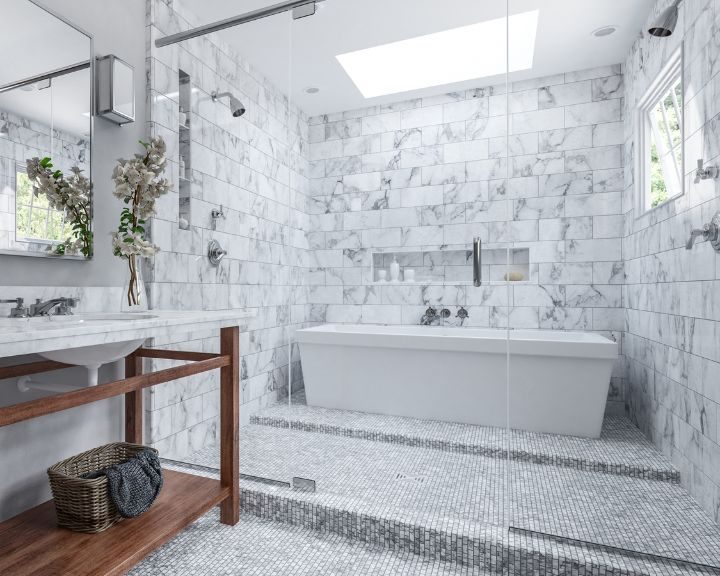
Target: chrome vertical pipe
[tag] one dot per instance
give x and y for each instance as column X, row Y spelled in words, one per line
column 477, row 261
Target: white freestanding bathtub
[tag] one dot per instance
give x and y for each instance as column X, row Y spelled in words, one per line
column 558, row 381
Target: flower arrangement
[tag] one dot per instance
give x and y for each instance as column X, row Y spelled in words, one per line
column 71, row 196
column 138, row 184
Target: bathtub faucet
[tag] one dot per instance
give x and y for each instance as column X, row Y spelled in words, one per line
column 429, row 317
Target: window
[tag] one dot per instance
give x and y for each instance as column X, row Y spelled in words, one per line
column 35, row 221
column 661, row 138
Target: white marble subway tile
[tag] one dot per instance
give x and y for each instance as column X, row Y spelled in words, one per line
column 381, row 123
column 421, row 235
column 565, row 273
column 520, row 101
column 538, row 208
column 589, row 74
column 444, row 174
column 343, row 165
column 549, row 119
column 602, row 158
column 608, row 87
column 593, row 113
column 608, row 319
column 508, row 189
column 466, row 151
column 611, row 180
column 515, row 145
column 360, row 295
column 566, row 228
column 565, row 318
column 608, row 226
column 564, row 94
column 380, row 161
column 480, row 170
column 513, row 231
column 463, row 234
column 594, row 296
column 342, row 314
column 566, row 139
column 381, row 314
column 381, row 238
column 443, row 133
column 491, row 127
column 488, row 211
column 419, row 117
column 465, row 110
column 401, row 139
column 538, row 164
column 399, row 217
column 362, row 145
column 609, row 272
column 401, row 106
column 595, row 250
column 362, row 219
column 425, row 156
column 465, row 192
column 421, row 196
column 443, row 214
column 535, row 83
column 402, row 294
column 593, row 204
column 608, row 134
column 319, row 151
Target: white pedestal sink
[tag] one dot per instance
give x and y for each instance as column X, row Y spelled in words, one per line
column 92, row 357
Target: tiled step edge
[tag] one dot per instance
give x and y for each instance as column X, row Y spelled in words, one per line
column 641, row 472
column 495, row 553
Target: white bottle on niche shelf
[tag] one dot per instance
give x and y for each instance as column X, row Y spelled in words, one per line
column 394, row 270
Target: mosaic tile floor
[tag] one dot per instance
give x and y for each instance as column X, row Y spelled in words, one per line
column 464, row 494
column 258, row 547
column 621, row 449
column 403, row 496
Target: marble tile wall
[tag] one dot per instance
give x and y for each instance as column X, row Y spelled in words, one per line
column 430, row 174
column 671, row 295
column 256, row 168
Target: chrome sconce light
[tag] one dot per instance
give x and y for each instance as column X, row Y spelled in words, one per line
column 115, row 90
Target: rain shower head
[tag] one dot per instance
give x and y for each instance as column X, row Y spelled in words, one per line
column 664, row 25
column 236, row 107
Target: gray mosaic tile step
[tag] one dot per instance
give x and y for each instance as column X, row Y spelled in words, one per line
column 622, row 449
column 436, row 501
column 257, row 547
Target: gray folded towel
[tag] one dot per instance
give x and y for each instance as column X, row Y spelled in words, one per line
column 134, row 484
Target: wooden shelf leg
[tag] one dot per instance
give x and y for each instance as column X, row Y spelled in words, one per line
column 133, row 403
column 230, row 425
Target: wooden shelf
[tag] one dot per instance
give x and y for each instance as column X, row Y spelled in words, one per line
column 32, row 545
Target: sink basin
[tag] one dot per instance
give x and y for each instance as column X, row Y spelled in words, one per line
column 92, row 357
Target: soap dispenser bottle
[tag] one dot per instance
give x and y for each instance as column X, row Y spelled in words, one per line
column 394, row 270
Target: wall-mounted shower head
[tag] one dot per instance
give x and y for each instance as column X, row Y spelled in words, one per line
column 236, row 107
column 664, row 25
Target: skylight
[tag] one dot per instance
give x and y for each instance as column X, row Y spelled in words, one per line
column 465, row 53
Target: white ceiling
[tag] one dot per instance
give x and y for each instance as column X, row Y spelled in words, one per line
column 302, row 53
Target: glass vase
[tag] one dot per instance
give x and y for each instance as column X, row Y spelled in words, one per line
column 134, row 295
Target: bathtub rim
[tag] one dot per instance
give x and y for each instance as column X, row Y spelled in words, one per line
column 484, row 340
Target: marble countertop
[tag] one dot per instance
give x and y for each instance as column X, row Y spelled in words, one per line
column 44, row 334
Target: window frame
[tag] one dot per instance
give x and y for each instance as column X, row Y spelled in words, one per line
column 21, row 169
column 666, row 78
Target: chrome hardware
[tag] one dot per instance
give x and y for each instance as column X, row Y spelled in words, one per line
column 705, row 173
column 215, row 252
column 477, row 262
column 215, row 214
column 444, row 313
column 62, row 306
column 19, row 311
column 710, row 232
column 429, row 317
column 462, row 313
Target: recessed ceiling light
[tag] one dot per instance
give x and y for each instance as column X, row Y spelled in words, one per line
column 312, row 90
column 465, row 53
column 605, row 31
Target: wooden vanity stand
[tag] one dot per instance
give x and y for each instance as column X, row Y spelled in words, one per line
column 32, row 545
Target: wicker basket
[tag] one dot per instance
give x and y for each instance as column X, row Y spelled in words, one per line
column 84, row 505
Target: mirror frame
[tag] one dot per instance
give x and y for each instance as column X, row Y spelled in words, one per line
column 51, row 74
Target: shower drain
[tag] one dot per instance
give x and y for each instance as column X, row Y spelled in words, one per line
column 408, row 478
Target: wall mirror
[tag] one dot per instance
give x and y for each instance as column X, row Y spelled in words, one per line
column 46, row 104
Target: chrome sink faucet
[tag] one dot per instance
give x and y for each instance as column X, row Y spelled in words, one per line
column 63, row 306
column 19, row 311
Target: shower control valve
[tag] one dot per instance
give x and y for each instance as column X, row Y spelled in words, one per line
column 462, row 313
column 705, row 173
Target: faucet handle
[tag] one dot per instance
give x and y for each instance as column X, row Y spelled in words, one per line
column 431, row 311
column 19, row 311
column 462, row 313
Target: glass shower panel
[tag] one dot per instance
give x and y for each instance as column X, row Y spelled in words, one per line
column 223, row 110
column 405, row 168
column 600, row 442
